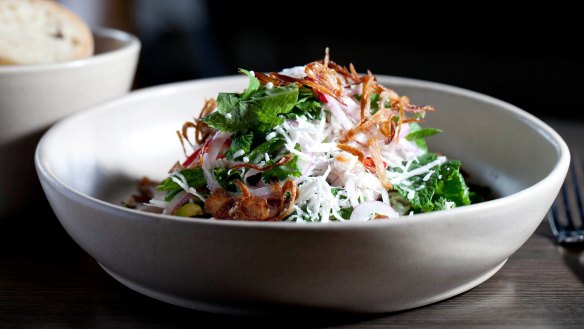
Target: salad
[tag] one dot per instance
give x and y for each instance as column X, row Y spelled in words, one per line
column 313, row 143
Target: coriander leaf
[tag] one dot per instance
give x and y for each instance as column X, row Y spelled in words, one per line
column 345, row 213
column 252, row 86
column 271, row 147
column 421, row 132
column 312, row 107
column 283, row 172
column 418, row 134
column 307, row 104
column 195, row 178
column 240, row 141
column 374, row 103
column 226, row 176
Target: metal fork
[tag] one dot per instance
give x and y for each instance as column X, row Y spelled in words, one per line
column 566, row 216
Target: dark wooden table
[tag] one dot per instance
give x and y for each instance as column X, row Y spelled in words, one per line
column 47, row 281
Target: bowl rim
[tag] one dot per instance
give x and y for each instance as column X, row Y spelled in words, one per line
column 130, row 43
column 559, row 168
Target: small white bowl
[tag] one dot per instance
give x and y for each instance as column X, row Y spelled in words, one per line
column 90, row 162
column 33, row 97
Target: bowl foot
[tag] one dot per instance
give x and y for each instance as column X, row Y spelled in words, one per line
column 268, row 309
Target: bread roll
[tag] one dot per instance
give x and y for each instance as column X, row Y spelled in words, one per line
column 41, row 31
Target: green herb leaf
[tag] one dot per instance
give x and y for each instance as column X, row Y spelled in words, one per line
column 344, row 212
column 418, row 134
column 272, row 147
column 232, row 114
column 307, row 105
column 282, row 173
column 227, row 102
column 258, row 108
column 444, row 184
column 240, row 141
column 226, row 176
column 272, row 103
column 374, row 103
column 421, row 132
column 195, row 178
column 452, row 185
column 252, row 86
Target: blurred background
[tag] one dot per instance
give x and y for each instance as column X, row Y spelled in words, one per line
column 526, row 56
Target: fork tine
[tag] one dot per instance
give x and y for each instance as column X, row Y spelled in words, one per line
column 568, row 193
column 557, row 214
column 579, row 185
column 553, row 218
column 566, row 216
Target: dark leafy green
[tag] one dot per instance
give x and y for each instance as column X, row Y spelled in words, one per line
column 308, row 105
column 290, row 169
column 444, row 184
column 195, row 178
column 272, row 147
column 253, row 85
column 225, row 177
column 240, row 141
column 343, row 212
column 374, row 100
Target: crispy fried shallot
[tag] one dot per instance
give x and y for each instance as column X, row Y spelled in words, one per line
column 319, row 77
column 379, row 165
column 202, row 131
column 248, row 206
column 324, row 80
column 350, row 75
column 353, row 150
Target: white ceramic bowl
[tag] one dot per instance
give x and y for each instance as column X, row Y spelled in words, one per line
column 228, row 266
column 32, row 97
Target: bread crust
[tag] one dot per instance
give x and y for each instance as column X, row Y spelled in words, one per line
column 41, row 31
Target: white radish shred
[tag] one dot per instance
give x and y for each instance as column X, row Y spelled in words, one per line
column 175, row 202
column 181, row 180
column 271, row 135
column 396, row 178
column 197, row 194
column 367, row 210
column 238, row 153
column 210, row 158
column 155, row 202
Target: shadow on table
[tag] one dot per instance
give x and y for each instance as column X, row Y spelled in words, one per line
column 572, row 255
column 574, row 258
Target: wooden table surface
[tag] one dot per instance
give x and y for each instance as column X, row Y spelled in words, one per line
column 47, row 281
